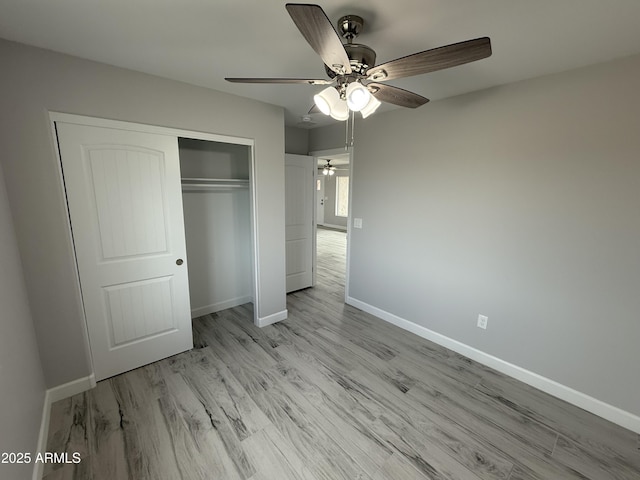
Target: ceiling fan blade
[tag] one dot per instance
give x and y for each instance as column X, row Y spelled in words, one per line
column 280, row 80
column 432, row 60
column 396, row 96
column 320, row 34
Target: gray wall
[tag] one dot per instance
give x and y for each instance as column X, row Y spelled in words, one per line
column 330, row 137
column 521, row 203
column 35, row 81
column 296, row 140
column 330, row 203
column 21, row 380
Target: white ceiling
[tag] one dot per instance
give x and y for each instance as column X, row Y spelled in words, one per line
column 202, row 41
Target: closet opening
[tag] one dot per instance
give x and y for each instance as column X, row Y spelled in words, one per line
column 218, row 211
column 132, row 190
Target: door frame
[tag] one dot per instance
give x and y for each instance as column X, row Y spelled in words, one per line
column 325, row 153
column 319, row 178
column 59, row 117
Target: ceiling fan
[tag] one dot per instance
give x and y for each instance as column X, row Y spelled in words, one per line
column 328, row 169
column 354, row 79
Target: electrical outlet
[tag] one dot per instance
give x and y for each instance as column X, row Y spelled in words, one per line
column 482, row 321
column 357, row 223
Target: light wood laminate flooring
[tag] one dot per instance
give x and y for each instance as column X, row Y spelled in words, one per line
column 331, row 393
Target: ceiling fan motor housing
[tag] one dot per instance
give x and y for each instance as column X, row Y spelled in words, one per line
column 361, row 58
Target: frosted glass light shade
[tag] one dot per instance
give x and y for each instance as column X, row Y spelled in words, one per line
column 322, row 104
column 357, row 96
column 340, row 111
column 371, row 107
column 327, row 100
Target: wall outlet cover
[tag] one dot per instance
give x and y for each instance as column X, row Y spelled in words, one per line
column 482, row 321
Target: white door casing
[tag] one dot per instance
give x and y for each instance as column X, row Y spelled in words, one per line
column 299, row 205
column 125, row 204
column 320, row 198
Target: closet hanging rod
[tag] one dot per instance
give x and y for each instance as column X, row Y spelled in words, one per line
column 213, row 183
column 210, row 186
column 225, row 181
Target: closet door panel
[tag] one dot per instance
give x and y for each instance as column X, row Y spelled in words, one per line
column 124, row 196
column 128, row 186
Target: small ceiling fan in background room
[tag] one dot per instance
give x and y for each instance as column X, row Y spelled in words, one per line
column 354, row 79
column 328, row 169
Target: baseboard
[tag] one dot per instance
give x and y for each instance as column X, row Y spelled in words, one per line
column 218, row 306
column 72, row 388
column 597, row 407
column 50, row 397
column 273, row 318
column 38, row 467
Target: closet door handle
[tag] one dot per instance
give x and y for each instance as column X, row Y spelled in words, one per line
column 179, row 261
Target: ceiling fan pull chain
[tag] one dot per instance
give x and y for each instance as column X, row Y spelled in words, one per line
column 346, row 135
column 348, row 144
column 353, row 126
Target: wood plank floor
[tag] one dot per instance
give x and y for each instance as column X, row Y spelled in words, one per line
column 331, row 393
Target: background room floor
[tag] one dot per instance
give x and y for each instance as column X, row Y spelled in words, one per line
column 330, row 393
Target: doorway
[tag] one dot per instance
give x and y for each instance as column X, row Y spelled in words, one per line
column 332, row 191
column 333, row 181
column 124, row 195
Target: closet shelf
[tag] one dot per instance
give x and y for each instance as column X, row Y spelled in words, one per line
column 213, row 183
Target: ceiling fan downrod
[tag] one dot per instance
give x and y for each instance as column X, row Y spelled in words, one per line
column 350, row 26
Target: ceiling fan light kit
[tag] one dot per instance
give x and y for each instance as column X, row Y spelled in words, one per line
column 329, row 169
column 351, row 68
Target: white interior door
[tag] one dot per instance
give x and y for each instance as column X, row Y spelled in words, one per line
column 125, row 203
column 320, row 199
column 299, row 204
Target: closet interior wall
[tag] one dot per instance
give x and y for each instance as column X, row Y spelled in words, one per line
column 217, row 218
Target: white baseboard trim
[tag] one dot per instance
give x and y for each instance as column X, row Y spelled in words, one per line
column 38, row 467
column 51, row 396
column 218, row 306
column 273, row 318
column 69, row 389
column 597, row 407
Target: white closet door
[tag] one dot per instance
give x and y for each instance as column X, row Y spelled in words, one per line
column 125, row 202
column 299, row 204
